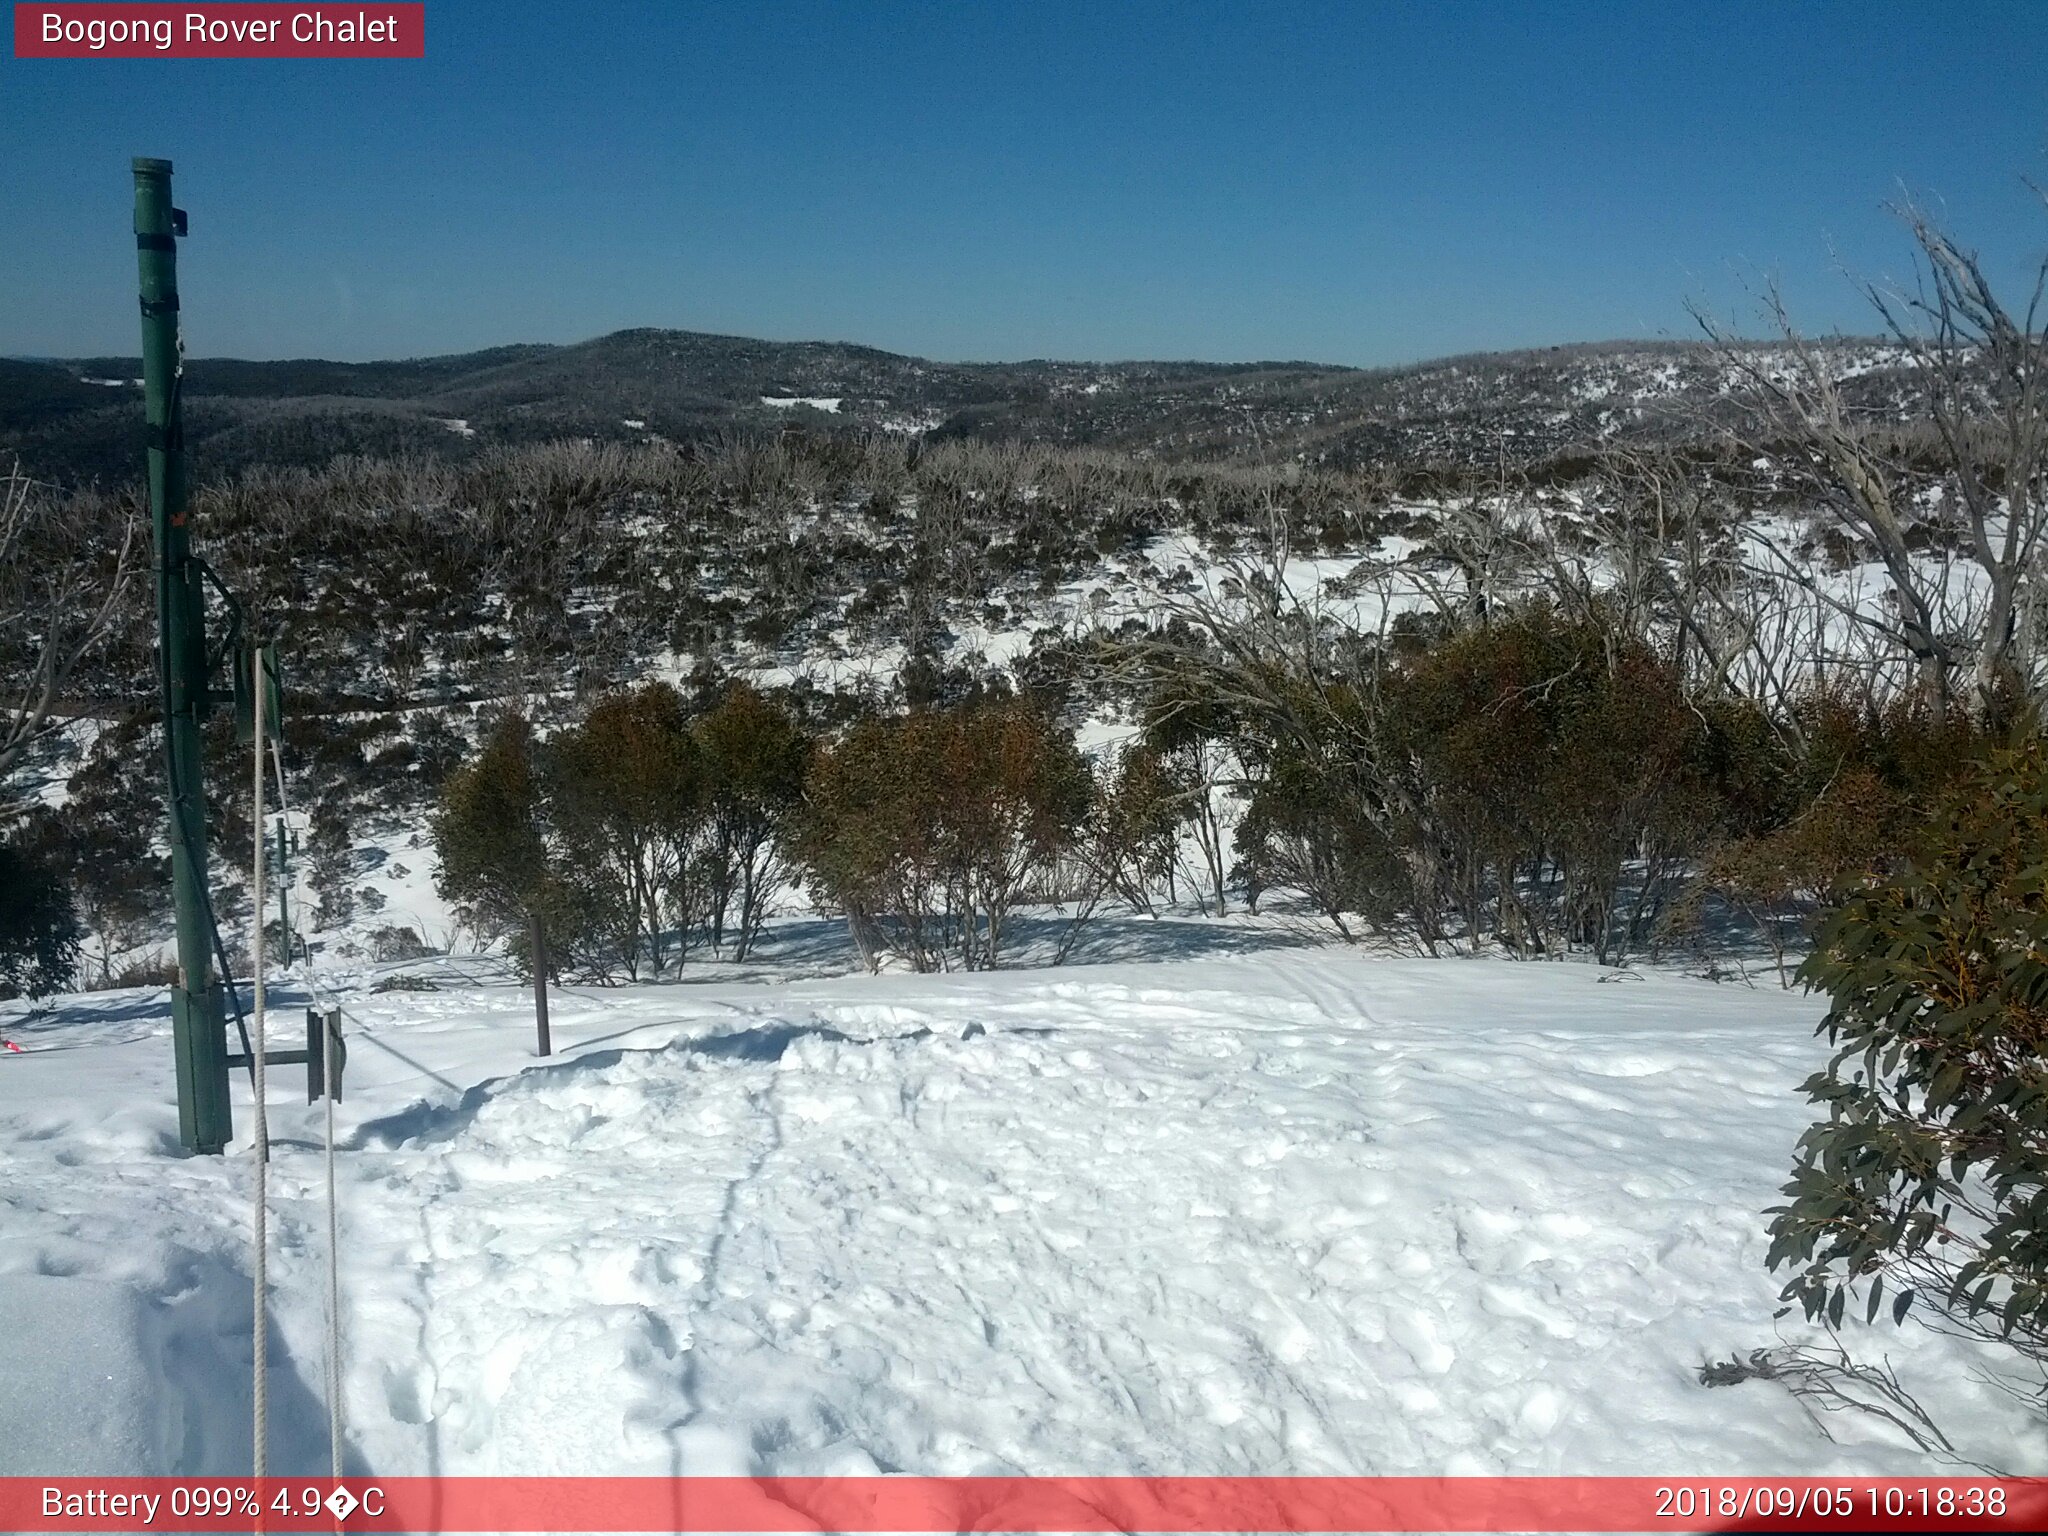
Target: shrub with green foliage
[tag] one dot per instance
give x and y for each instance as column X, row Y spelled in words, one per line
column 627, row 796
column 490, row 838
column 1828, row 809
column 753, row 755
column 927, row 829
column 1928, row 1180
column 1559, row 758
column 1538, row 780
column 1141, row 803
column 1317, row 822
column 39, row 930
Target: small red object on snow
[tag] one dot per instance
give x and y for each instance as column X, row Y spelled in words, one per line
column 13, row 1047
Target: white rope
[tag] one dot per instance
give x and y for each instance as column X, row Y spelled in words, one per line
column 260, row 1452
column 327, row 1035
column 327, row 1076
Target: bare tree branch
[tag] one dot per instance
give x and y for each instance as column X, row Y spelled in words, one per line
column 65, row 564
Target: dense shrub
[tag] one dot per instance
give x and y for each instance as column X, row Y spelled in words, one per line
column 627, row 809
column 925, row 830
column 1828, row 806
column 1317, row 822
column 629, row 831
column 1928, row 1180
column 395, row 941
column 754, row 756
column 157, row 969
column 100, row 841
column 1536, row 780
column 39, row 930
column 1559, row 758
column 1141, row 802
column 490, row 838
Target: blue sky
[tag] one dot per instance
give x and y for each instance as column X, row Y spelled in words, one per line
column 1354, row 183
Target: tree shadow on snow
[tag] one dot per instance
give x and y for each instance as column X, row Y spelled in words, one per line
column 1033, row 938
column 46, row 1022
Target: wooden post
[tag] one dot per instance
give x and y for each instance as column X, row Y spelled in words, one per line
column 538, row 946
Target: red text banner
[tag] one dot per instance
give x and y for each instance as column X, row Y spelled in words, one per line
column 220, row 31
column 1017, row 1504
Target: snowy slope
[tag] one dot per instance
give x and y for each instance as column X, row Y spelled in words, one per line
column 1279, row 1210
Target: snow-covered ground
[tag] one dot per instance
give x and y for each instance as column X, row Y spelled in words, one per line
column 1254, row 1208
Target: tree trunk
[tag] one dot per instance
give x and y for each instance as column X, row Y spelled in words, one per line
column 538, row 943
column 1994, row 655
column 1934, row 680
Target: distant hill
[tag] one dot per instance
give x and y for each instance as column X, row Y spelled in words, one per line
column 32, row 393
column 77, row 420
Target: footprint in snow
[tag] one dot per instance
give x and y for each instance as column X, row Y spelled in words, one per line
column 1416, row 1333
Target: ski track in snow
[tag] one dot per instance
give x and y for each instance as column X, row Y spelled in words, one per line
column 1306, row 1212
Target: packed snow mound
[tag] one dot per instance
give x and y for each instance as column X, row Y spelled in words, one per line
column 1296, row 1212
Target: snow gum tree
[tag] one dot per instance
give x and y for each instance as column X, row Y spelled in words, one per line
column 39, row 931
column 491, row 843
column 927, row 829
column 66, row 568
column 1812, row 826
column 1928, row 1180
column 1977, row 377
column 753, row 755
column 628, row 793
column 1982, row 367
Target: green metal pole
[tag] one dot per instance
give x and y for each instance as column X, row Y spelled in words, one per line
column 198, row 1026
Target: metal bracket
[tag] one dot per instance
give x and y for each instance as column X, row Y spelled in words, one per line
column 312, row 1058
column 328, row 1024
